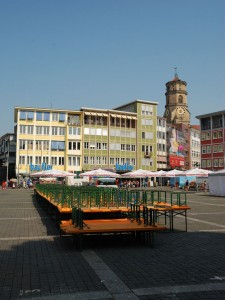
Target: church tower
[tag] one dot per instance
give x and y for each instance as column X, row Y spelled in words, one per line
column 176, row 108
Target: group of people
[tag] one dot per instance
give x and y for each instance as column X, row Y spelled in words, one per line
column 22, row 184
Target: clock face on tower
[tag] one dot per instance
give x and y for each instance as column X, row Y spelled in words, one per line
column 180, row 110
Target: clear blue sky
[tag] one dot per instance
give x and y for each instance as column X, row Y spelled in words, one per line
column 102, row 53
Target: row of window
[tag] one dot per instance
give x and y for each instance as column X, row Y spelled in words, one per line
column 208, row 149
column 42, row 145
column 195, row 154
column 75, row 145
column 215, row 135
column 209, row 163
column 116, row 121
column 46, row 130
column 42, row 116
column 195, row 144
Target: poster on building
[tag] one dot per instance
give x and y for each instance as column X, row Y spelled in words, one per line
column 176, row 148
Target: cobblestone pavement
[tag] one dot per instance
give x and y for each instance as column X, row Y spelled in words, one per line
column 35, row 263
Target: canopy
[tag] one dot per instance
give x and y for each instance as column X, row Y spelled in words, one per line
column 160, row 173
column 175, row 173
column 138, row 174
column 197, row 172
column 99, row 173
column 52, row 173
column 217, row 183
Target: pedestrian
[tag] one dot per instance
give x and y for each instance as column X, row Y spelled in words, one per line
column 186, row 185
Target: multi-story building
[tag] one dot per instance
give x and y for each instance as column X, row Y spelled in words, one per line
column 161, row 144
column 122, row 139
column 195, row 148
column 212, row 135
column 7, row 156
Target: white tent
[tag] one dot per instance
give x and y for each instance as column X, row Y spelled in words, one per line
column 99, row 173
column 198, row 172
column 175, row 173
column 52, row 173
column 138, row 174
column 217, row 183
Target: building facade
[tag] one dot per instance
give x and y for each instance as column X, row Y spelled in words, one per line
column 212, row 135
column 122, row 139
column 7, row 156
column 161, row 144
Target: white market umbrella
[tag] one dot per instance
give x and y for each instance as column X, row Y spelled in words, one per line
column 175, row 173
column 160, row 174
column 198, row 172
column 138, row 174
column 99, row 173
column 52, row 173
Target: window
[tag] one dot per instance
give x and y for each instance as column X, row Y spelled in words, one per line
column 104, row 146
column 23, row 115
column 133, row 147
column 38, row 130
column 45, row 130
column 98, row 146
column 57, row 146
column 220, row 148
column 204, row 150
column 72, row 130
column 61, row 160
column 38, row 145
column 215, row 162
column 62, row 117
column 98, row 160
column 74, row 146
column 30, row 145
column 111, row 160
column 26, row 115
column 127, row 147
column 215, row 148
column 54, row 160
column 30, row 129
column 220, row 134
column 38, row 116
column 143, row 135
column 208, row 135
column 45, row 145
column 92, row 160
column 208, row 149
column 221, row 162
column 86, row 145
column 55, row 117
column 122, row 147
column 46, row 116
column 22, row 160
column 74, row 161
column 29, row 160
column 61, row 131
column 45, row 159
column 86, row 160
column 38, row 160
column 22, row 129
column 104, row 160
column 22, row 144
column 209, row 163
column 54, row 130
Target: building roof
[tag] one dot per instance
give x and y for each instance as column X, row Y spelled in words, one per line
column 210, row 114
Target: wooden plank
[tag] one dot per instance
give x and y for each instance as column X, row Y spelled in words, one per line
column 108, row 226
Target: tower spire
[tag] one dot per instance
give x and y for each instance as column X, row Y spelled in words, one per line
column 175, row 70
